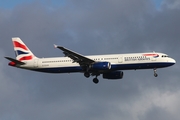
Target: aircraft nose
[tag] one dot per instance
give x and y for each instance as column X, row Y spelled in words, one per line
column 172, row 61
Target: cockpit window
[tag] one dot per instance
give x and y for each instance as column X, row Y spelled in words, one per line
column 165, row 56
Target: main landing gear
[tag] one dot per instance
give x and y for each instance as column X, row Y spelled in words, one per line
column 155, row 74
column 95, row 80
column 87, row 75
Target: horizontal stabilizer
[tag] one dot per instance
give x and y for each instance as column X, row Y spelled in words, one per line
column 15, row 61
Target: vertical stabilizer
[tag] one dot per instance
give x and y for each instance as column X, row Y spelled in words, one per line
column 22, row 52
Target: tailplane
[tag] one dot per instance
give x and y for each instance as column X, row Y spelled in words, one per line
column 22, row 52
column 14, row 62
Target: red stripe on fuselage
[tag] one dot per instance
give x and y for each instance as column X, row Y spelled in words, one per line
column 26, row 58
column 150, row 54
column 17, row 44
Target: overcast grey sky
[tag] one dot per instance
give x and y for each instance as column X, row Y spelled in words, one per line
column 90, row 27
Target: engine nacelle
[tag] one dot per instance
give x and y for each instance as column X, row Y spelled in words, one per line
column 113, row 75
column 100, row 66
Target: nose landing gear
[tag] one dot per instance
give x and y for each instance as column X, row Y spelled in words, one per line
column 155, row 74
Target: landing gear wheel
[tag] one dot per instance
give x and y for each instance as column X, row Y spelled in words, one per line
column 155, row 74
column 95, row 80
column 87, row 74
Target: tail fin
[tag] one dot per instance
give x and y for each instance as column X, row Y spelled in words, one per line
column 22, row 52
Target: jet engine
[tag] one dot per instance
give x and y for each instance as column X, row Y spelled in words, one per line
column 100, row 66
column 113, row 75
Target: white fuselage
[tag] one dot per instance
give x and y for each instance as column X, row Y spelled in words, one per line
column 118, row 62
column 109, row 66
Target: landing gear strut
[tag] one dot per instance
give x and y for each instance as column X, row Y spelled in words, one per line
column 95, row 80
column 155, row 74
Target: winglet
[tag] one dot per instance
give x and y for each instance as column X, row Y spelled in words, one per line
column 60, row 47
column 55, row 46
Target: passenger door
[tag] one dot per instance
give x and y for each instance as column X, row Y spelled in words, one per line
column 120, row 59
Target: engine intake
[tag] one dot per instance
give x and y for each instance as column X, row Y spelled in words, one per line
column 100, row 66
column 113, row 75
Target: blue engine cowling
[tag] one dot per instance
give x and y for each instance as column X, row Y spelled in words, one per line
column 100, row 66
column 113, row 75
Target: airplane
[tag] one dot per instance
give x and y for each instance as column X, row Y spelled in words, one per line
column 110, row 66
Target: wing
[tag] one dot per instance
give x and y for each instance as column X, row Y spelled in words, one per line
column 76, row 57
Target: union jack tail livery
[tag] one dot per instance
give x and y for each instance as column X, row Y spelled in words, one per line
column 22, row 52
